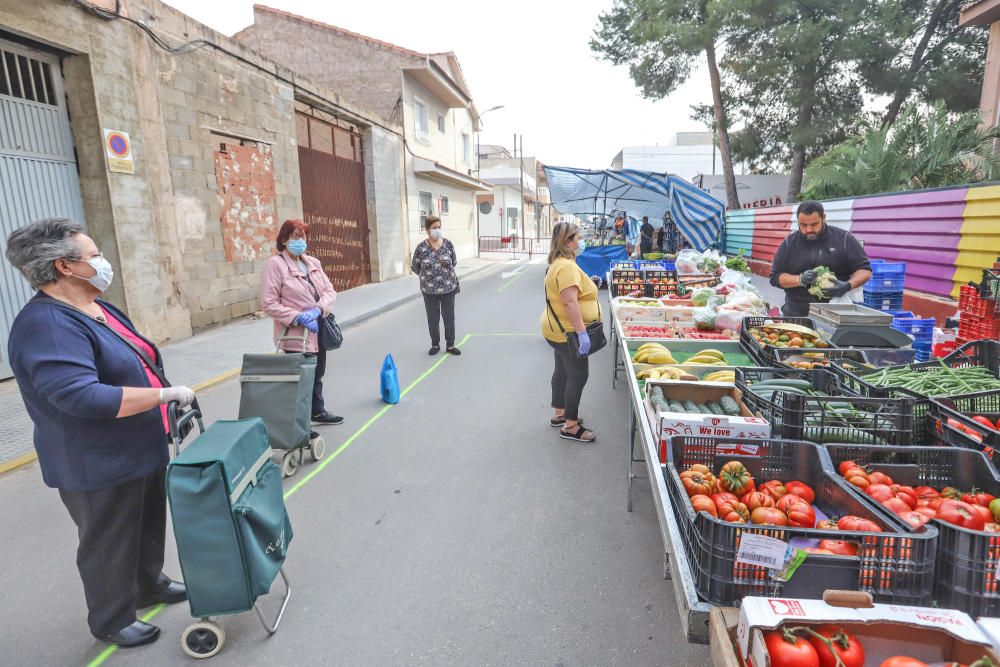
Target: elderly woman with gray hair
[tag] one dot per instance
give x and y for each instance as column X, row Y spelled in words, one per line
column 95, row 390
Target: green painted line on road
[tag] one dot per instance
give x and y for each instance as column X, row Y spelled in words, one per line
column 106, row 653
column 512, row 280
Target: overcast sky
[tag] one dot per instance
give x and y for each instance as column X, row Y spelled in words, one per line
column 532, row 57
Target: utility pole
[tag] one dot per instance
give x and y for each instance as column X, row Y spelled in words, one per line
column 521, row 176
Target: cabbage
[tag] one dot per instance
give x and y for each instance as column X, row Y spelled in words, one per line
column 701, row 296
column 704, row 319
column 825, row 279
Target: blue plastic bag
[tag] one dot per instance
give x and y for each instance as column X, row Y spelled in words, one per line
column 390, row 381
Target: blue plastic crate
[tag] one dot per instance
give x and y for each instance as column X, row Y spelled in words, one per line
column 899, row 313
column 884, row 300
column 918, row 327
column 886, row 275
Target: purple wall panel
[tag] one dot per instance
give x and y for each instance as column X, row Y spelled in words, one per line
column 922, row 229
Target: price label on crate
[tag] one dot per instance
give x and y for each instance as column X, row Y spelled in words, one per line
column 762, row 550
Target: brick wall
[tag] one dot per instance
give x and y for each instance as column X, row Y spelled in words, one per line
column 244, row 179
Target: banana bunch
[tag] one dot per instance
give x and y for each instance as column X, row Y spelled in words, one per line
column 708, row 358
column 653, row 353
column 665, row 373
column 720, row 376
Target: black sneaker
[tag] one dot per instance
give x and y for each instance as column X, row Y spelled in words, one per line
column 325, row 418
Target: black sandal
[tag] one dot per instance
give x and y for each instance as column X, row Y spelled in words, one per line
column 578, row 435
column 556, row 422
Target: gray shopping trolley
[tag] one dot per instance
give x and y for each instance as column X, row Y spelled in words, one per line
column 278, row 389
column 230, row 524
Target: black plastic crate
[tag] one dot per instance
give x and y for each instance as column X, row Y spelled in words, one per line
column 764, row 354
column 924, row 422
column 895, row 566
column 783, row 354
column 985, row 403
column 989, row 287
column 983, row 352
column 966, row 560
column 628, row 289
column 837, row 416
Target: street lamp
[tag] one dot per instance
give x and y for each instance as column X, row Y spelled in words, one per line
column 499, row 106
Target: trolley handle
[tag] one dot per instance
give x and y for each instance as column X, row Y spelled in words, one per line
column 181, row 422
column 303, row 339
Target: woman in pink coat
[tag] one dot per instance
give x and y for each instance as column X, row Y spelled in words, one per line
column 295, row 292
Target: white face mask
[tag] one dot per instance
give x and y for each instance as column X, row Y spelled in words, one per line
column 436, row 233
column 104, row 273
column 581, row 245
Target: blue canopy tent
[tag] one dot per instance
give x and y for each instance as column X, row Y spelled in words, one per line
column 698, row 215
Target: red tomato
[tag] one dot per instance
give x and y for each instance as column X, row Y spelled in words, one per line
column 961, row 514
column 902, row 661
column 786, row 501
column 815, row 550
column 790, row 652
column 926, row 493
column 929, row 512
column 768, row 516
column 983, row 512
column 724, row 496
column 858, row 478
column 756, row 499
column 802, row 490
column 977, row 497
column 879, row 492
column 915, row 518
column 879, row 478
column 801, row 515
column 828, row 524
column 774, row 488
column 951, row 493
column 856, row 523
column 846, row 465
column 839, row 547
column 845, row 646
column 905, row 493
column 986, row 422
column 896, row 505
column 703, row 503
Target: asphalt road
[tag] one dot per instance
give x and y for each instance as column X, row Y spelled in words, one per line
column 453, row 528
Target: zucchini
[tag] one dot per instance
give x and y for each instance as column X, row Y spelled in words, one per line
column 841, row 435
column 715, row 408
column 729, row 405
column 677, row 406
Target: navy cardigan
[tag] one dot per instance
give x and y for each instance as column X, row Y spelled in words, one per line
column 71, row 370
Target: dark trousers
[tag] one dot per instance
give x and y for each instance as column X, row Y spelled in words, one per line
column 441, row 306
column 568, row 380
column 318, row 403
column 122, row 531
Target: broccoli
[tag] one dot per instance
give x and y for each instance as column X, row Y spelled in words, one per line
column 825, row 279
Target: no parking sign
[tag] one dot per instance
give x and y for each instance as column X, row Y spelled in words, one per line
column 118, row 150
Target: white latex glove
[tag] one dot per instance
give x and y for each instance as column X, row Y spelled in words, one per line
column 183, row 395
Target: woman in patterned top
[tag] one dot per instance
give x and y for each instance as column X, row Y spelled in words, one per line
column 434, row 261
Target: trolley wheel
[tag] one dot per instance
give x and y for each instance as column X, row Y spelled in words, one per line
column 317, row 448
column 290, row 462
column 203, row 639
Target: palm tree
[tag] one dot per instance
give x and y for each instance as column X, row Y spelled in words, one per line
column 925, row 148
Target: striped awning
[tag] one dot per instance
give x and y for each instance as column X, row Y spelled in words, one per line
column 697, row 214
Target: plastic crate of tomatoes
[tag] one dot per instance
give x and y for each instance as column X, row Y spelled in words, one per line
column 722, row 489
column 755, row 331
column 970, row 420
column 949, row 488
column 815, row 406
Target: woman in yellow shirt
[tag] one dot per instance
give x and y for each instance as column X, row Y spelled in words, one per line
column 572, row 304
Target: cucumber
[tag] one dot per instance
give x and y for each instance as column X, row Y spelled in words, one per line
column 729, row 405
column 691, row 406
column 804, row 385
column 715, row 408
column 656, row 393
column 677, row 406
column 660, row 405
column 841, row 435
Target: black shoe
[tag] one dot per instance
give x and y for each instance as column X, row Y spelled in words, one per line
column 454, row 350
column 327, row 419
column 313, row 435
column 434, row 350
column 137, row 634
column 173, row 593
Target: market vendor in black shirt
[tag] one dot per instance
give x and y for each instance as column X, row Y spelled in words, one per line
column 817, row 244
column 646, row 233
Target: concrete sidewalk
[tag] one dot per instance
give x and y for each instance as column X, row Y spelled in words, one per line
column 214, row 356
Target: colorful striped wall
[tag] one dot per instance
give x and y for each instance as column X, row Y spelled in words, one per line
column 946, row 236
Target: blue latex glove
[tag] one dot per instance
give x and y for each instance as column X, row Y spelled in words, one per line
column 312, row 325
column 584, row 339
column 316, row 312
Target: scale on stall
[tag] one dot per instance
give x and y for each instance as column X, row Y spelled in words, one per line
column 851, row 325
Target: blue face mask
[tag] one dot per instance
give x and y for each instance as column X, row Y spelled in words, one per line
column 581, row 245
column 296, row 247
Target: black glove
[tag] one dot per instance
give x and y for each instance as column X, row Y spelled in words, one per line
column 807, row 278
column 840, row 288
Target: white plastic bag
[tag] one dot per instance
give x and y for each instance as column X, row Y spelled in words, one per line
column 687, row 262
column 856, row 295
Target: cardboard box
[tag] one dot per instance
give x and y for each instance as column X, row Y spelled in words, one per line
column 885, row 630
column 669, row 424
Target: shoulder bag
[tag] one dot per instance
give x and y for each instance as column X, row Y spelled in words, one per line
column 595, row 330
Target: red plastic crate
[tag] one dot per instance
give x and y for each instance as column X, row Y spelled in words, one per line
column 974, row 327
column 970, row 301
